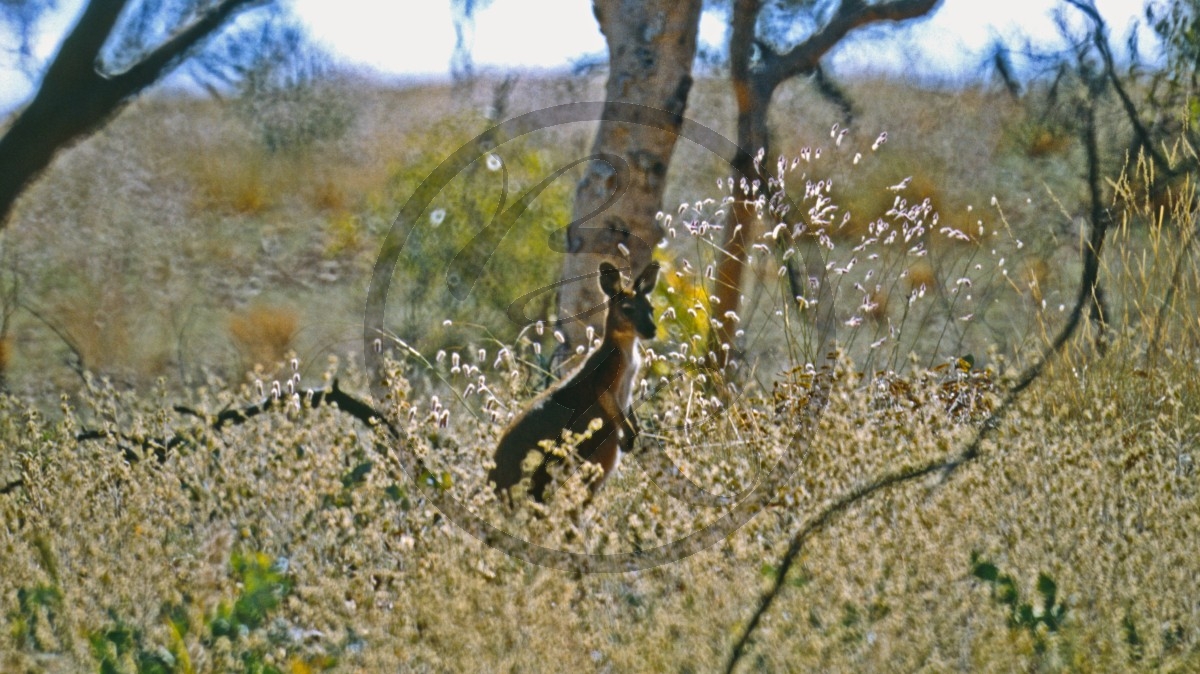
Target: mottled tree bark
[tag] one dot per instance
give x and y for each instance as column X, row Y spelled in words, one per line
column 753, row 87
column 651, row 47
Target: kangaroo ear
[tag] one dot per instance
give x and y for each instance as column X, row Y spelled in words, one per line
column 645, row 283
column 610, row 279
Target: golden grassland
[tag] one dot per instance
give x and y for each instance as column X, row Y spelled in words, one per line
column 183, row 263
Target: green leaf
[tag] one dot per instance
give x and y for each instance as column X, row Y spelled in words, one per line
column 1024, row 616
column 986, row 571
column 1047, row 588
column 358, row 475
column 177, row 617
column 1006, row 591
column 221, row 627
column 1132, row 638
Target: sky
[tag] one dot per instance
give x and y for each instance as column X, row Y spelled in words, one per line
column 414, row 38
column 511, row 33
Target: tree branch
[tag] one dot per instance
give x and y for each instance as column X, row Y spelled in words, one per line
column 1100, row 39
column 1087, row 289
column 343, row 401
column 75, row 61
column 74, row 99
column 741, row 41
column 152, row 66
column 160, row 447
column 850, row 14
column 831, row 92
column 78, row 366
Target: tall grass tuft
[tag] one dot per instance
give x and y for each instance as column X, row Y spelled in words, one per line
column 264, row 334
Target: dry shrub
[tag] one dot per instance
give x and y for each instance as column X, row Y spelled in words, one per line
column 264, row 334
column 1092, row 481
column 1044, row 141
column 1168, row 196
column 99, row 329
column 344, row 233
column 234, row 181
column 1092, row 489
column 328, row 194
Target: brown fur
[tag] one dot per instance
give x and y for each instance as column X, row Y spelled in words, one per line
column 600, row 388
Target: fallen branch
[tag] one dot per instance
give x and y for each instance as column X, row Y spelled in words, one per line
column 134, row 448
column 333, row 396
column 345, row 402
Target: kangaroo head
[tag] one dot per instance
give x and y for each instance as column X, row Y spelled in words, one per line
column 630, row 306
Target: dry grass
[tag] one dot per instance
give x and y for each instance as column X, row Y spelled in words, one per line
column 292, row 542
column 1094, row 490
column 264, row 334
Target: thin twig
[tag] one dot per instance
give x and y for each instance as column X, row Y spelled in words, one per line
column 1100, row 39
column 1087, row 292
column 78, row 366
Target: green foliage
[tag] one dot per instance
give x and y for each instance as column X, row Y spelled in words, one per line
column 1133, row 640
column 1177, row 24
column 686, row 301
column 483, row 242
column 122, row 648
column 357, row 475
column 1023, row 615
column 37, row 609
column 262, row 583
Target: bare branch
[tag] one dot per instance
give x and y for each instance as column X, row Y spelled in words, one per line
column 741, row 39
column 159, row 447
column 151, row 67
column 1089, row 283
column 850, row 14
column 74, row 98
column 831, row 92
column 1100, row 39
column 78, row 366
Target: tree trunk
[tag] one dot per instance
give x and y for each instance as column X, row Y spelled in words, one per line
column 753, row 96
column 753, row 89
column 651, row 47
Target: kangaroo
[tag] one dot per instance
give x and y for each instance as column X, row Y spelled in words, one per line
column 600, row 388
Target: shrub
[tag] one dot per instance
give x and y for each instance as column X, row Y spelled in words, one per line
column 264, row 334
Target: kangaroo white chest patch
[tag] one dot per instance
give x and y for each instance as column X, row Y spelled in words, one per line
column 625, row 391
